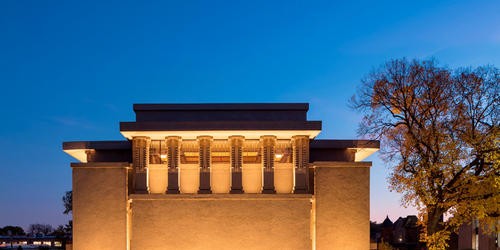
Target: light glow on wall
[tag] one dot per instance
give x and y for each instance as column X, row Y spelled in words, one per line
column 278, row 157
column 221, row 134
column 252, row 178
column 283, row 178
column 363, row 153
column 78, row 154
column 189, row 175
column 158, row 178
column 220, row 178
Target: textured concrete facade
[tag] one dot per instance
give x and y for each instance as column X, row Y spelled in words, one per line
column 221, row 176
column 100, row 205
column 221, row 222
column 342, row 205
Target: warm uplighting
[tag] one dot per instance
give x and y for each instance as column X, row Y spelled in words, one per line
column 191, row 154
column 220, row 154
column 278, row 157
column 250, row 153
column 189, row 178
column 283, row 178
column 220, row 134
column 157, row 178
column 363, row 153
column 252, row 178
column 246, row 187
column 220, row 178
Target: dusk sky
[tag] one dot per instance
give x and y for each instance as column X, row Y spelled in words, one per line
column 72, row 70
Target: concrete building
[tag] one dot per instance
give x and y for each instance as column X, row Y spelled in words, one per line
column 221, row 176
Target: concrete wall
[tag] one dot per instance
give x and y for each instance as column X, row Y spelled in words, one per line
column 336, row 217
column 342, row 205
column 218, row 221
column 100, row 205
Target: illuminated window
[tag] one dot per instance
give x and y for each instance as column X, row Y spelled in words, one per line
column 283, row 151
column 251, row 151
column 221, row 151
column 158, row 152
column 189, row 152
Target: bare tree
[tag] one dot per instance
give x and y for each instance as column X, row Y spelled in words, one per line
column 68, row 202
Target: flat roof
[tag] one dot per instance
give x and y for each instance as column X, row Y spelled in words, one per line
column 221, row 106
column 342, row 144
column 98, row 145
column 220, row 125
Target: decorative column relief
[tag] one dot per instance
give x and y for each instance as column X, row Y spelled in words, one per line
column 236, row 160
column 173, row 160
column 301, row 163
column 140, row 150
column 204, row 144
column 90, row 155
column 268, row 143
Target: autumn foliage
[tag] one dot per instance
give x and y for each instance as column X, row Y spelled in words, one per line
column 440, row 133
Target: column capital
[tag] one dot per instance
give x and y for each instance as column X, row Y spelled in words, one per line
column 236, row 137
column 299, row 137
column 268, row 140
column 236, row 140
column 205, row 137
column 173, row 138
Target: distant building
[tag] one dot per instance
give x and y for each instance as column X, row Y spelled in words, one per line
column 221, row 176
column 30, row 242
column 472, row 236
column 403, row 234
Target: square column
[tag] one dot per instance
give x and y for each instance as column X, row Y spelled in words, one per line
column 173, row 159
column 268, row 143
column 204, row 144
column 236, row 163
column 140, row 151
column 301, row 163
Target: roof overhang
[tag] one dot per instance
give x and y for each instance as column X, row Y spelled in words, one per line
column 79, row 154
column 221, row 134
column 362, row 148
column 363, row 153
column 220, row 129
column 79, row 149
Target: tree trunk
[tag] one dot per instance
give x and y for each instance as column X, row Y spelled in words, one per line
column 434, row 220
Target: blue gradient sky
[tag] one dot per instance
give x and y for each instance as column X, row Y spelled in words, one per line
column 72, row 70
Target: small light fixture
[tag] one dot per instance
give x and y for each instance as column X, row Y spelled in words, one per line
column 163, row 156
column 278, row 156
